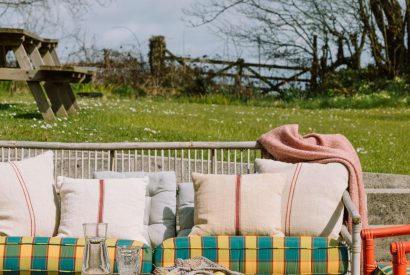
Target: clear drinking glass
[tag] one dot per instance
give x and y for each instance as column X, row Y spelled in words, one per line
column 95, row 257
column 128, row 259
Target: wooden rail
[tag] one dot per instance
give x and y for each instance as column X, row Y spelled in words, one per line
column 238, row 71
column 244, row 70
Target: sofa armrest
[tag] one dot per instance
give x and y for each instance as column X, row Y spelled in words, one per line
column 399, row 251
column 370, row 234
column 355, row 236
column 351, row 208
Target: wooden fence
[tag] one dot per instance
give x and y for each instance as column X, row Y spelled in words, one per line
column 239, row 73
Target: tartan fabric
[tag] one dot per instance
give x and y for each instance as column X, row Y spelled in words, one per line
column 41, row 255
column 387, row 269
column 259, row 254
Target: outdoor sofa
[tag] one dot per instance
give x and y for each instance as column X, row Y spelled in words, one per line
column 166, row 229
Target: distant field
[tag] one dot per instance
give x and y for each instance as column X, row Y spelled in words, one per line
column 381, row 136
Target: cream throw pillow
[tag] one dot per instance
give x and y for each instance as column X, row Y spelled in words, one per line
column 27, row 200
column 312, row 198
column 237, row 205
column 118, row 202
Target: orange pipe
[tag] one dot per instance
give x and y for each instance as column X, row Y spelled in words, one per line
column 369, row 235
column 399, row 250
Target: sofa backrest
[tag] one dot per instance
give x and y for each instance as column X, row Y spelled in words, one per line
column 81, row 160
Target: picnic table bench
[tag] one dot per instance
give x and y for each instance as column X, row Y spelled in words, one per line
column 39, row 65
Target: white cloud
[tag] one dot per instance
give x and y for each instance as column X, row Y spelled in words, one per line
column 134, row 21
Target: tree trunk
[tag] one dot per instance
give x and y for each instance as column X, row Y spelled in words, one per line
column 408, row 31
column 370, row 30
column 389, row 20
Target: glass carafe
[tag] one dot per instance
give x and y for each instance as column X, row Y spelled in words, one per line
column 95, row 257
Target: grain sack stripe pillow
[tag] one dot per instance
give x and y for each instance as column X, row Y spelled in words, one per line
column 101, row 202
column 291, row 196
column 312, row 198
column 118, row 202
column 23, row 185
column 238, row 205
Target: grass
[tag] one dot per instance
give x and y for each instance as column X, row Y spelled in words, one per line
column 360, row 101
column 380, row 135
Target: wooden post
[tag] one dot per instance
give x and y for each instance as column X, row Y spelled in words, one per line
column 22, row 58
column 38, row 93
column 35, row 56
column 3, row 54
column 157, row 47
column 107, row 58
column 60, row 91
column 238, row 77
column 315, row 67
column 56, row 99
column 13, row 87
column 40, row 97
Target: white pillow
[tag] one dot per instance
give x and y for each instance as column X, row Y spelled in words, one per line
column 312, row 197
column 27, row 200
column 118, row 202
column 237, row 205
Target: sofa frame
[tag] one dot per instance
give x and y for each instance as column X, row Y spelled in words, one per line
column 80, row 160
column 397, row 249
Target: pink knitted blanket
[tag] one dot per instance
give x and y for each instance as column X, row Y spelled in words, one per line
column 285, row 144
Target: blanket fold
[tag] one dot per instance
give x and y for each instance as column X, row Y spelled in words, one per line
column 284, row 143
column 196, row 266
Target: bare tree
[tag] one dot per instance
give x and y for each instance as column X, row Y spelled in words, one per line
column 287, row 30
column 387, row 24
column 344, row 28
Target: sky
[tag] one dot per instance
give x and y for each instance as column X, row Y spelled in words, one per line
column 132, row 22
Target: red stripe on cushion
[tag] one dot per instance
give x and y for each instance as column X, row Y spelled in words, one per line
column 23, row 186
column 101, row 202
column 237, row 204
column 290, row 198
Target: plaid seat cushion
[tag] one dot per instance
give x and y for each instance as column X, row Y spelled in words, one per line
column 259, row 254
column 42, row 254
column 387, row 269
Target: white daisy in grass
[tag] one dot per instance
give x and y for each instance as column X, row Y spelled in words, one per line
column 361, row 150
column 148, row 130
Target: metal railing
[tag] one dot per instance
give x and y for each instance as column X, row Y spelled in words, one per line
column 80, row 160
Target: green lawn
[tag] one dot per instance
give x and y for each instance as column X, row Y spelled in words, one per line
column 381, row 136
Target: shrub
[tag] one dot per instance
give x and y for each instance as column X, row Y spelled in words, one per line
column 347, row 82
column 124, row 91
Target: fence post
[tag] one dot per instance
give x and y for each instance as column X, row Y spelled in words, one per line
column 107, row 53
column 3, row 60
column 157, row 47
column 315, row 67
column 238, row 76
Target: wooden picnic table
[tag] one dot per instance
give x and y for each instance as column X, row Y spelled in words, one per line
column 39, row 65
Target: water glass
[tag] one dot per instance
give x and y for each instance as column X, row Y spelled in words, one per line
column 95, row 257
column 128, row 259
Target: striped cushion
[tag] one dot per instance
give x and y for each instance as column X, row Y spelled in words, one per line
column 29, row 254
column 387, row 269
column 259, row 254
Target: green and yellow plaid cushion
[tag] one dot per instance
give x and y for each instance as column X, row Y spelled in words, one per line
column 259, row 254
column 387, row 269
column 42, row 254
